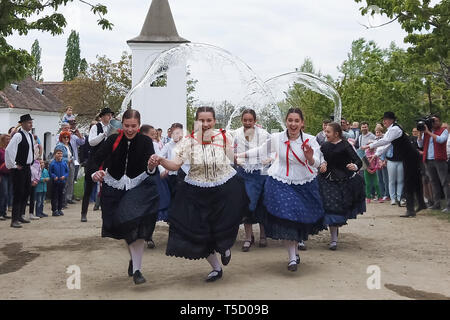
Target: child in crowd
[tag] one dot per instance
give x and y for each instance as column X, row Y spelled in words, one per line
column 41, row 190
column 370, row 175
column 35, row 169
column 58, row 173
column 68, row 115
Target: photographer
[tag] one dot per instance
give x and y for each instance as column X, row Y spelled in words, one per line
column 434, row 156
column 404, row 151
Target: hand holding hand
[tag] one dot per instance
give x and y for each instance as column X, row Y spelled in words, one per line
column 352, row 167
column 323, row 167
column 153, row 161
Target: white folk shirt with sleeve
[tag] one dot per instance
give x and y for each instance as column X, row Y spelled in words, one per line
column 241, row 144
column 168, row 152
column 298, row 173
column 209, row 165
column 392, row 133
column 11, row 149
column 95, row 138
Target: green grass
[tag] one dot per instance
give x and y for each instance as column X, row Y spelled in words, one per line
column 438, row 214
column 78, row 188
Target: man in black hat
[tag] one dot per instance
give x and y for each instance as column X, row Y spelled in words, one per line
column 403, row 151
column 19, row 155
column 97, row 136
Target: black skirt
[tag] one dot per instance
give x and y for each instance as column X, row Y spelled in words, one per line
column 203, row 220
column 342, row 197
column 130, row 215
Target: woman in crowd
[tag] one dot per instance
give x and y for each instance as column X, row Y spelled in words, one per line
column 341, row 188
column 129, row 197
column 293, row 208
column 208, row 207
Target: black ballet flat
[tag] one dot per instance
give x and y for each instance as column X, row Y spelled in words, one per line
column 246, row 248
column 292, row 266
column 297, row 258
column 213, row 277
column 130, row 268
column 225, row 259
column 138, row 278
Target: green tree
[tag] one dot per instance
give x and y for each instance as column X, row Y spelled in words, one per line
column 72, row 61
column 428, row 28
column 36, row 51
column 83, row 65
column 190, row 99
column 21, row 16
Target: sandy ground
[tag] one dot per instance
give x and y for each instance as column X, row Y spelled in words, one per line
column 413, row 256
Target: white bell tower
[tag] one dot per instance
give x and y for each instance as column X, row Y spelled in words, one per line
column 159, row 106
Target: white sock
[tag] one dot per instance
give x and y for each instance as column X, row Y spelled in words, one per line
column 292, row 248
column 137, row 251
column 214, row 262
column 334, row 234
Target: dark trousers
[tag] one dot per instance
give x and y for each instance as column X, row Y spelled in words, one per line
column 413, row 182
column 21, row 188
column 88, row 186
column 57, row 195
column 32, row 199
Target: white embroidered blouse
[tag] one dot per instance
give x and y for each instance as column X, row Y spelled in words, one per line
column 241, row 144
column 209, row 165
column 296, row 170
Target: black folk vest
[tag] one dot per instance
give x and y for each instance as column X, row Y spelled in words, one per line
column 23, row 148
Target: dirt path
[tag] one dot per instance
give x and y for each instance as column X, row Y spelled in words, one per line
column 413, row 256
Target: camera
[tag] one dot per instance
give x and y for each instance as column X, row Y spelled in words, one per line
column 425, row 121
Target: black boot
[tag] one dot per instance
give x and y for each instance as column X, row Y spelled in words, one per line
column 138, row 277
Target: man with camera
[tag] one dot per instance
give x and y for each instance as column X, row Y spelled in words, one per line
column 404, row 151
column 433, row 138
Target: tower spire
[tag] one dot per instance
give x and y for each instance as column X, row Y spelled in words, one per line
column 159, row 25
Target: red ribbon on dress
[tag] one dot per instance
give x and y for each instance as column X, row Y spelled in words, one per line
column 222, row 132
column 288, row 144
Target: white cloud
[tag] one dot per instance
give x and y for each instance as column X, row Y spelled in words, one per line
column 272, row 37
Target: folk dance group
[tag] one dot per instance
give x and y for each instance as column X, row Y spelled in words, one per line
column 284, row 181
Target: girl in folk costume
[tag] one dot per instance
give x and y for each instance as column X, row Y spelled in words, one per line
column 254, row 173
column 293, row 208
column 129, row 197
column 341, row 188
column 205, row 215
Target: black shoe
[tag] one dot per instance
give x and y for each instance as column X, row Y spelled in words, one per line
column 436, row 206
column 302, row 246
column 70, row 202
column 292, row 266
column 130, row 268
column 151, row 244
column 297, row 256
column 214, row 275
column 6, row 217
column 23, row 220
column 55, row 214
column 83, row 218
column 16, row 224
column 225, row 259
column 408, row 214
column 422, row 207
column 60, row 213
column 246, row 248
column 96, row 208
column 138, row 278
column 44, row 215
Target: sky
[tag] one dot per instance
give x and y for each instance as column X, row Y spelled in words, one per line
column 272, row 36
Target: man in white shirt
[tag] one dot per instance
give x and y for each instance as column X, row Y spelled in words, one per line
column 19, row 155
column 97, row 136
column 406, row 152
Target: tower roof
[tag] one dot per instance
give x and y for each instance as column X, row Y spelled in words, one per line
column 159, row 25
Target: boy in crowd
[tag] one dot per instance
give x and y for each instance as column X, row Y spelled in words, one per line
column 58, row 173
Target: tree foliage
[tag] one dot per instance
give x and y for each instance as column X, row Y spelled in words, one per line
column 21, row 16
column 72, row 61
column 36, row 51
column 428, row 28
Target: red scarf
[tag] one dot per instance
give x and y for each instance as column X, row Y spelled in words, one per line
column 222, row 132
